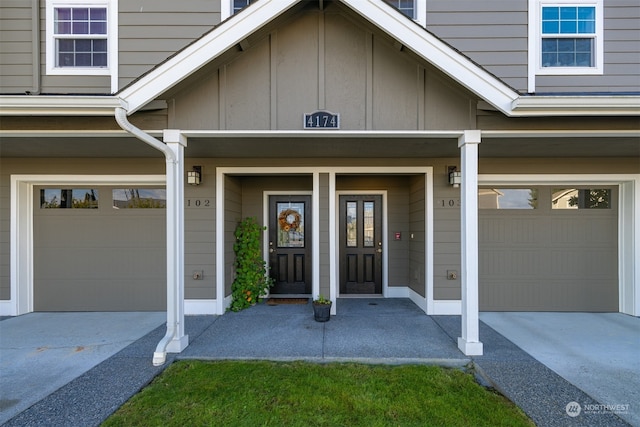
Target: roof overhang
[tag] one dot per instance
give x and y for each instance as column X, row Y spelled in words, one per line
column 58, row 105
column 596, row 105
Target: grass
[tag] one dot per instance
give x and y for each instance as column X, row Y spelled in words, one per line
column 260, row 393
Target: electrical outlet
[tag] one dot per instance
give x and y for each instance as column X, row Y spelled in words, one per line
column 452, row 275
column 197, row 275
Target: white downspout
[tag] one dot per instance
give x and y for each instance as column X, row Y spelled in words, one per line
column 174, row 340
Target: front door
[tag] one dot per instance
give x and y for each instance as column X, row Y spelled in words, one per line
column 290, row 244
column 361, row 244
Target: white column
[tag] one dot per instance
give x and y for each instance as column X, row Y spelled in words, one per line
column 175, row 241
column 469, row 343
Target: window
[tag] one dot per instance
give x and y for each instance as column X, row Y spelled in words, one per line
column 139, row 198
column 63, row 198
column 573, row 198
column 569, row 37
column 238, row 5
column 507, row 198
column 405, row 6
column 81, row 37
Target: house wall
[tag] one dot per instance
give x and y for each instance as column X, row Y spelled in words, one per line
column 322, row 61
column 495, row 35
column 149, row 32
column 417, row 235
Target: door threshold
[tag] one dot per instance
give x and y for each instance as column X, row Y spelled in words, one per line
column 276, row 296
column 360, row 296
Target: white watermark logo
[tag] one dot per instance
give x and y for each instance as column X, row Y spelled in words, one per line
column 573, row 409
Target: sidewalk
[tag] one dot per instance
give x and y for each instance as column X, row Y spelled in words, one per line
column 366, row 330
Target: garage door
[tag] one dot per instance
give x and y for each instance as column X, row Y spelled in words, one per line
column 548, row 249
column 99, row 249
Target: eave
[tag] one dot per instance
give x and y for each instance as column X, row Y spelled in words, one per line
column 567, row 105
column 58, row 105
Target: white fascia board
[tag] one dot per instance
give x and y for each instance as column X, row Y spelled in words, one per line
column 436, row 52
column 619, row 105
column 320, row 134
column 39, row 105
column 198, row 54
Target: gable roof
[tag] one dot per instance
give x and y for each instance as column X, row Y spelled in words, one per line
column 378, row 12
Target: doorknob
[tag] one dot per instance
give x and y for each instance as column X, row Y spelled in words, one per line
column 271, row 250
column 379, row 250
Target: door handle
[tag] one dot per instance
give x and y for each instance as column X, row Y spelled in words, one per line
column 272, row 251
column 379, row 250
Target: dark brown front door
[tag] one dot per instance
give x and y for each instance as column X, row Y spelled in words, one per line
column 361, row 244
column 290, row 244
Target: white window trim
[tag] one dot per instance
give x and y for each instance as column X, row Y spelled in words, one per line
column 535, row 42
column 112, row 41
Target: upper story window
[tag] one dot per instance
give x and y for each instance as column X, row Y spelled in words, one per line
column 238, row 5
column 81, row 37
column 405, row 6
column 569, row 37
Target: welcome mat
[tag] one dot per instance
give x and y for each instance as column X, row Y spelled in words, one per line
column 282, row 301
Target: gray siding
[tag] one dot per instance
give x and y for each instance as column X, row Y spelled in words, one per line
column 322, row 61
column 232, row 217
column 491, row 33
column 417, row 235
column 494, row 34
column 149, row 32
column 16, row 47
column 153, row 30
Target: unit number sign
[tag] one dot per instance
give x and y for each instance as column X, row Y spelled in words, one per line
column 322, row 120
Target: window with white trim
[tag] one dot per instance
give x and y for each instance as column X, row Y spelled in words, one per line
column 238, row 5
column 405, row 6
column 81, row 37
column 569, row 37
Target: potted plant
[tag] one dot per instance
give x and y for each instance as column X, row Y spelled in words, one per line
column 321, row 309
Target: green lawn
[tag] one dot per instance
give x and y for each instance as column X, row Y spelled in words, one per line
column 255, row 393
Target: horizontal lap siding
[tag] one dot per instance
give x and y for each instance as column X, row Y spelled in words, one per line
column 493, row 34
column 16, row 47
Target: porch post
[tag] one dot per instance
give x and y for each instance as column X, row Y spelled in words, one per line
column 175, row 241
column 469, row 343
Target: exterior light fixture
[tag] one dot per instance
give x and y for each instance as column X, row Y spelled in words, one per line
column 194, row 176
column 455, row 176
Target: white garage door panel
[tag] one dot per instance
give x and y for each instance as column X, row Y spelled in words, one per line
column 548, row 260
column 101, row 259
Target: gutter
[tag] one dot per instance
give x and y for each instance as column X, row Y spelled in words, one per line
column 173, row 317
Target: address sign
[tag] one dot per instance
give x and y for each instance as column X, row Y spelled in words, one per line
column 322, row 120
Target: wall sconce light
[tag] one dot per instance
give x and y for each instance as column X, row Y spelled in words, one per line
column 455, row 176
column 194, row 176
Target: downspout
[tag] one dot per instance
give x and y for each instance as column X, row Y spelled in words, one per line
column 160, row 355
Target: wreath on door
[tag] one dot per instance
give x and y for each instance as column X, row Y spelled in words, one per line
column 289, row 220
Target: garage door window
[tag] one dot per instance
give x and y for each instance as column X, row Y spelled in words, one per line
column 573, row 198
column 68, row 198
column 507, row 198
column 139, row 198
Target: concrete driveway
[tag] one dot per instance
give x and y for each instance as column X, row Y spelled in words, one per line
column 596, row 352
column 41, row 352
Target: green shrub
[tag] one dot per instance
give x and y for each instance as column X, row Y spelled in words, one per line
column 251, row 279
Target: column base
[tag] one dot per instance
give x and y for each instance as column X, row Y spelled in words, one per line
column 177, row 345
column 470, row 348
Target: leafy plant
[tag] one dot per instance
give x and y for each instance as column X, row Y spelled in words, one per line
column 251, row 280
column 322, row 300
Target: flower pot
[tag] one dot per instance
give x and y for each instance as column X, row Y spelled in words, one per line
column 321, row 312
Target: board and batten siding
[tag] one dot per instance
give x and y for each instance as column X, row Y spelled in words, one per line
column 321, row 61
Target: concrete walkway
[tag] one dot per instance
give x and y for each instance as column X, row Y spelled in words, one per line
column 366, row 330
column 593, row 351
column 41, row 352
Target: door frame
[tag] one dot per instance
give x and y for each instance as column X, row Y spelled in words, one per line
column 385, row 239
column 265, row 236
